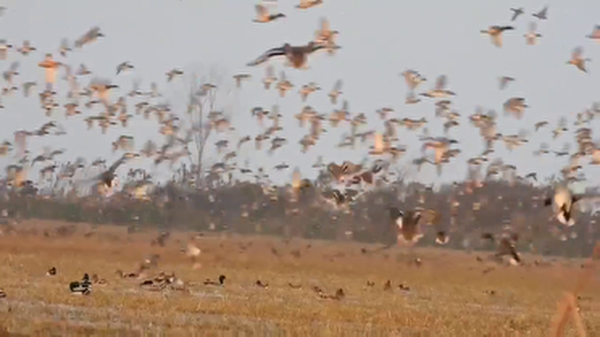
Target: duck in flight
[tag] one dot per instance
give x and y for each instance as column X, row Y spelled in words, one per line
column 495, row 33
column 562, row 204
column 263, row 15
column 297, row 56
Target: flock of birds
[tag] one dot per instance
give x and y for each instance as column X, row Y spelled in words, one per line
column 349, row 180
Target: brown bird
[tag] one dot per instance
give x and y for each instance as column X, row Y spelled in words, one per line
column 495, row 33
column 297, row 56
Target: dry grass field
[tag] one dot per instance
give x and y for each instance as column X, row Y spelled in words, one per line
column 448, row 294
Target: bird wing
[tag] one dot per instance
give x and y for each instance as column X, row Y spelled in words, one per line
column 338, row 85
column 577, row 53
column 516, row 13
column 270, row 71
column 324, row 25
column 64, row 43
column 296, row 179
column 261, row 10
column 14, row 66
column 497, row 40
column 316, row 47
column 532, row 27
column 279, row 51
column 379, row 146
column 410, row 78
column 116, row 165
column 440, row 83
column 543, row 12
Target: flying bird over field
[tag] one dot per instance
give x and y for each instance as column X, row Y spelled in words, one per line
column 407, row 225
column 562, row 204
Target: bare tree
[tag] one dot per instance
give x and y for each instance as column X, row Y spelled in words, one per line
column 208, row 108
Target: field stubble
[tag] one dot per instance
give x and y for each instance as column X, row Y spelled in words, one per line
column 449, row 294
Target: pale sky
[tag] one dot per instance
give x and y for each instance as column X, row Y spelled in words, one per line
column 379, row 40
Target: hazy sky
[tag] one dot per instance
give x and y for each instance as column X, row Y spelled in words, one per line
column 379, row 40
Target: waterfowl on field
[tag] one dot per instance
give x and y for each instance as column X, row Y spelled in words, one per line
column 507, row 246
column 51, row 272
column 262, row 285
column 83, row 287
column 294, row 286
column 338, row 296
column 219, row 283
column 97, row 280
column 121, row 274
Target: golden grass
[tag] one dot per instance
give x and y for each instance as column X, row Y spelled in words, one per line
column 450, row 295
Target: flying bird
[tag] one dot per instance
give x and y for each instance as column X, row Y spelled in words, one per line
column 495, row 33
column 297, row 56
column 562, row 204
column 532, row 35
column 90, row 36
column 263, row 15
column 541, row 15
column 578, row 60
column 516, row 13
